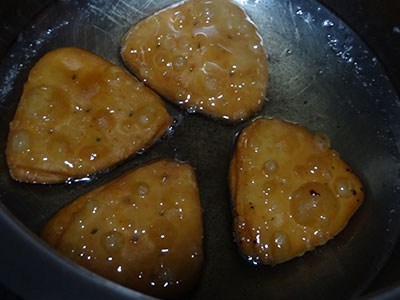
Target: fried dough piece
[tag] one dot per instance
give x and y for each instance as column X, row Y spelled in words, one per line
column 143, row 230
column 291, row 192
column 79, row 114
column 204, row 55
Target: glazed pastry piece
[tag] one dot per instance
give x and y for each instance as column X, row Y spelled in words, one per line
column 291, row 192
column 204, row 55
column 79, row 114
column 143, row 230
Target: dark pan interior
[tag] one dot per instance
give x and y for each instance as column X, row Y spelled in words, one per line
column 322, row 76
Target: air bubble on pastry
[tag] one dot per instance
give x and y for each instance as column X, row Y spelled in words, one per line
column 343, row 187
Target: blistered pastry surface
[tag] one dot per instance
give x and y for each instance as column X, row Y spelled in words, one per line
column 143, row 230
column 291, row 191
column 204, row 55
column 79, row 114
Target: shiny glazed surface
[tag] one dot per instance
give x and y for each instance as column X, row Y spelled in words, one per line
column 291, row 192
column 79, row 114
column 204, row 55
column 143, row 230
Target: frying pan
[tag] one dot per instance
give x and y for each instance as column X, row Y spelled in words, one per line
column 322, row 76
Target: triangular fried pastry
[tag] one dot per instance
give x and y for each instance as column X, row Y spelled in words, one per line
column 204, row 55
column 291, row 191
column 79, row 114
column 143, row 230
